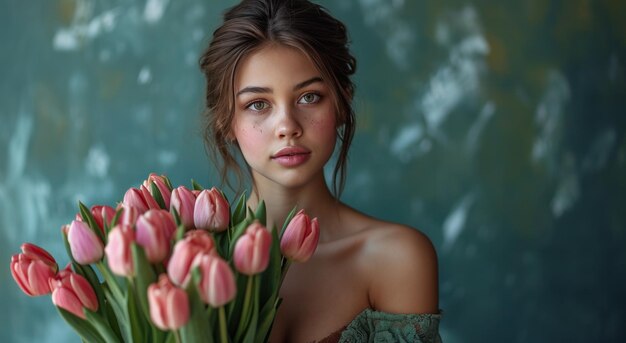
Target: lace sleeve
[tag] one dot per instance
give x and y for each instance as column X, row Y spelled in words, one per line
column 374, row 326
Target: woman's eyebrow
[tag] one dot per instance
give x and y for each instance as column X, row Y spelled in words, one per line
column 254, row 89
column 307, row 82
column 260, row 90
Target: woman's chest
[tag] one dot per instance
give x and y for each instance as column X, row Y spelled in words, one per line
column 319, row 298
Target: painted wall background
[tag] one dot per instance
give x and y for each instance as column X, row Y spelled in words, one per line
column 497, row 128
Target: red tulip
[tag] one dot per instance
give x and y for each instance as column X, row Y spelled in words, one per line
column 118, row 251
column 32, row 268
column 154, row 231
column 159, row 181
column 211, row 211
column 183, row 201
column 85, row 245
column 73, row 293
column 194, row 243
column 102, row 214
column 217, row 284
column 300, row 238
column 169, row 305
column 141, row 199
column 128, row 216
column 252, row 250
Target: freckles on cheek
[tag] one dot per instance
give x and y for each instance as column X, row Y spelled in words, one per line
column 325, row 125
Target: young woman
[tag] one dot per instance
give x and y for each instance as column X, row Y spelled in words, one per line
column 279, row 93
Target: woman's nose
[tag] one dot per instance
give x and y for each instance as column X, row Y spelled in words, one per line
column 288, row 125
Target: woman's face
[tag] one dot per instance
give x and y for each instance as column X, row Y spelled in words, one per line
column 284, row 120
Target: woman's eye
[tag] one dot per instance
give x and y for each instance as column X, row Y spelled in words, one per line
column 309, row 98
column 258, row 106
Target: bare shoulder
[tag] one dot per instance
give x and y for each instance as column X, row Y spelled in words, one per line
column 402, row 269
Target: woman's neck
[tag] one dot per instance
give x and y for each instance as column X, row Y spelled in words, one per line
column 315, row 198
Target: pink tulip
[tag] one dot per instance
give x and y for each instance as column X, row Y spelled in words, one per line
column 102, row 214
column 300, row 238
column 73, row 293
column 194, row 243
column 252, row 250
column 183, row 201
column 141, row 199
column 85, row 245
column 154, row 231
column 217, row 284
column 169, row 305
column 32, row 268
column 211, row 211
column 118, row 251
column 128, row 216
column 159, row 181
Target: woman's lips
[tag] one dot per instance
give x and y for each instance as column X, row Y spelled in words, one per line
column 291, row 156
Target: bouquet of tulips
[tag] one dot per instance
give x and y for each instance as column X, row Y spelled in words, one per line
column 171, row 265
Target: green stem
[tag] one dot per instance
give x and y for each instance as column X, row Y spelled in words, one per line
column 177, row 336
column 223, row 328
column 247, row 300
column 284, row 271
column 110, row 280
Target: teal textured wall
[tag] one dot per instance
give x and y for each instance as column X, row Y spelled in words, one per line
column 497, row 128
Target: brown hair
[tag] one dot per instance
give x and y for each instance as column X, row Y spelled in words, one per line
column 247, row 27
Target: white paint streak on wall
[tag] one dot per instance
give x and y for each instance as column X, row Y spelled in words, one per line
column 478, row 126
column 455, row 222
column 85, row 27
column 399, row 36
column 145, row 76
column 549, row 119
column 407, row 136
column 568, row 189
column 97, row 161
column 457, row 79
column 460, row 76
column 23, row 199
column 154, row 10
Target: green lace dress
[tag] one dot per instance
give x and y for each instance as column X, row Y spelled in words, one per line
column 374, row 326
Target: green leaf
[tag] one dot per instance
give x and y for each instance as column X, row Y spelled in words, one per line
column 260, row 213
column 102, row 326
column 119, row 309
column 137, row 321
column 222, row 243
column 196, row 186
column 82, row 327
column 116, row 217
column 180, row 233
column 111, row 318
column 270, row 278
column 239, row 213
column 234, row 308
column 176, row 215
column 156, row 194
column 167, row 181
column 238, row 230
column 266, row 321
column 170, row 338
column 197, row 330
column 85, row 213
column 144, row 276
